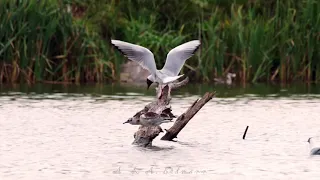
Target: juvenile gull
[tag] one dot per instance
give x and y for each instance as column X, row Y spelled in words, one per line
column 154, row 119
column 174, row 62
column 133, row 121
column 150, row 119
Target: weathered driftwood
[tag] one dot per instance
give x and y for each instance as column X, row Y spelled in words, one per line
column 184, row 118
column 145, row 135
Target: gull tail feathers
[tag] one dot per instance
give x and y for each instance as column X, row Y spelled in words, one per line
column 171, row 78
column 166, row 117
column 166, row 121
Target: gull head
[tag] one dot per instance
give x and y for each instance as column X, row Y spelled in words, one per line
column 149, row 82
column 128, row 121
column 230, row 75
column 133, row 122
column 309, row 140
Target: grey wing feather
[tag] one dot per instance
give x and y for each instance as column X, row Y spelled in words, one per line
column 177, row 57
column 315, row 151
column 137, row 53
column 151, row 114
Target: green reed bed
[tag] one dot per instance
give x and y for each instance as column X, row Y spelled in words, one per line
column 275, row 41
column 40, row 41
column 259, row 40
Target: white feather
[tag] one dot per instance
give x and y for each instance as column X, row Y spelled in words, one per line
column 169, row 79
column 177, row 57
column 174, row 62
column 137, row 53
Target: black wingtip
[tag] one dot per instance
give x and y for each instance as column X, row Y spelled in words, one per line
column 118, row 48
column 196, row 49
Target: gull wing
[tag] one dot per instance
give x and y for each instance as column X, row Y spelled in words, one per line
column 137, row 53
column 177, row 57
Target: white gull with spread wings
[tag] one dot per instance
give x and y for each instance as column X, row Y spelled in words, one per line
column 171, row 69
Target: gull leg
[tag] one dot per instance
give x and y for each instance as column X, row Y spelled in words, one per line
column 159, row 91
column 169, row 90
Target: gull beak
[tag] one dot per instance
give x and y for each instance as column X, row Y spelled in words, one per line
column 127, row 121
column 149, row 83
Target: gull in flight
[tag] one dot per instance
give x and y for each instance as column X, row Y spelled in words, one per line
column 145, row 58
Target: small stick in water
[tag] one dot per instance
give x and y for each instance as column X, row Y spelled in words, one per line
column 245, row 132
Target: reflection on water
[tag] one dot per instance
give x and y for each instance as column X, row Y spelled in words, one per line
column 47, row 132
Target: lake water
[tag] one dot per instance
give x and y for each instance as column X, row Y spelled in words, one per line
column 76, row 132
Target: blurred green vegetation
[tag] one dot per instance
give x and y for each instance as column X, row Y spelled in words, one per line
column 68, row 40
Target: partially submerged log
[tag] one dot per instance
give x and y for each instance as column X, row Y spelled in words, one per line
column 145, row 134
column 184, row 118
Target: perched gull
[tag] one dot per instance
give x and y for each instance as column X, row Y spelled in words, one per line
column 133, row 121
column 228, row 79
column 174, row 62
column 154, row 119
column 150, row 119
column 314, row 150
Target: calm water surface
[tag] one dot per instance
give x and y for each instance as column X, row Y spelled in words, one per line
column 76, row 132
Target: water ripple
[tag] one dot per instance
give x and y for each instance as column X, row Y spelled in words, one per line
column 63, row 136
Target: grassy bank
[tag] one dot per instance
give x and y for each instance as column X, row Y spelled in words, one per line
column 259, row 40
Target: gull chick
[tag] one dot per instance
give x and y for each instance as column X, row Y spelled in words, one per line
column 145, row 58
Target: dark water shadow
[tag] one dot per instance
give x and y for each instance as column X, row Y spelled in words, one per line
column 188, row 144
column 154, row 148
column 223, row 91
